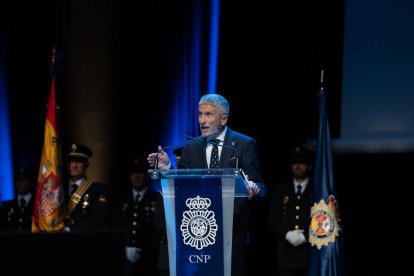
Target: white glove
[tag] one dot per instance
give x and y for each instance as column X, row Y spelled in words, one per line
column 296, row 237
column 133, row 253
column 66, row 229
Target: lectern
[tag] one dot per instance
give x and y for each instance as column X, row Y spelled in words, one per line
column 199, row 207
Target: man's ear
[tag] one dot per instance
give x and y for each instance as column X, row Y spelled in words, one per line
column 224, row 119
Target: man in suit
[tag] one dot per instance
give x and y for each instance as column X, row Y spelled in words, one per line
column 133, row 212
column 289, row 217
column 234, row 149
column 16, row 214
column 87, row 201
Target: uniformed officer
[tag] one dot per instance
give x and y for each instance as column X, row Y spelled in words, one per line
column 87, row 201
column 289, row 216
column 16, row 214
column 133, row 212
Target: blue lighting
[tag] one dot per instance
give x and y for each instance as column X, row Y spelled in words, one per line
column 214, row 42
column 6, row 170
column 191, row 72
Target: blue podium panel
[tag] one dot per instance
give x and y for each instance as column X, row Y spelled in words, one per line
column 199, row 218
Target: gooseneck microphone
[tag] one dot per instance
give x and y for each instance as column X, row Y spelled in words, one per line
column 200, row 138
column 215, row 143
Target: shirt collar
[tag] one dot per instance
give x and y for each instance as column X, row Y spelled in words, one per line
column 26, row 197
column 222, row 135
column 303, row 184
column 77, row 182
column 140, row 193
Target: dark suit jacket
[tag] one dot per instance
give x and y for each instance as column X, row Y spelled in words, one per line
column 283, row 216
column 193, row 156
column 13, row 219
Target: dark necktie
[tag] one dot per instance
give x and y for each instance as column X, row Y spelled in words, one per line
column 137, row 199
column 299, row 190
column 214, row 158
column 74, row 188
column 22, row 203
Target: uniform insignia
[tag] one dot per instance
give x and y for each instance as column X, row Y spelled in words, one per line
column 324, row 226
column 85, row 202
column 153, row 203
column 102, row 199
column 11, row 211
column 74, row 147
column 285, row 200
column 198, row 226
column 125, row 207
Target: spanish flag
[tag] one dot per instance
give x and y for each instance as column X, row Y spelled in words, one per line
column 47, row 215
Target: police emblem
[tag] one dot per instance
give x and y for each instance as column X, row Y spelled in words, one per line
column 324, row 226
column 198, row 226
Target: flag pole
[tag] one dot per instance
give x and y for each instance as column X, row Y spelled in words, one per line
column 325, row 230
column 49, row 200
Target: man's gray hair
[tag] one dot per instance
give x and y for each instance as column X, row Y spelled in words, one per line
column 217, row 101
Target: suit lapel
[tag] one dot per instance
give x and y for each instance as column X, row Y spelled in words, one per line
column 227, row 153
column 202, row 152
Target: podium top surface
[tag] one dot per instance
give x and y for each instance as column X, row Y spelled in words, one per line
column 227, row 172
column 236, row 176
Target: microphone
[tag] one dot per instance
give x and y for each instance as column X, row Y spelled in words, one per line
column 200, row 138
column 218, row 144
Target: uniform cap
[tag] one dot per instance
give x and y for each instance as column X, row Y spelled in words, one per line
column 24, row 173
column 138, row 166
column 79, row 151
column 300, row 155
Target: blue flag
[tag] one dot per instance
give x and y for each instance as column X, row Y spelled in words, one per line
column 325, row 232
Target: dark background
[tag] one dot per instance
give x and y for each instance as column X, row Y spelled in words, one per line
column 269, row 66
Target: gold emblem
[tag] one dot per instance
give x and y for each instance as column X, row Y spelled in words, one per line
column 324, row 226
column 74, row 148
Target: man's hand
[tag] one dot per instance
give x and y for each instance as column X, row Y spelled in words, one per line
column 254, row 190
column 163, row 159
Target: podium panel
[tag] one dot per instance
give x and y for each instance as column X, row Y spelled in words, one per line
column 199, row 208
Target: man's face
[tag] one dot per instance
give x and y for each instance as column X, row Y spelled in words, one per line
column 77, row 168
column 210, row 119
column 23, row 186
column 138, row 180
column 300, row 170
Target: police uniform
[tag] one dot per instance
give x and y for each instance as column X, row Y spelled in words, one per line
column 87, row 205
column 16, row 214
column 288, row 212
column 133, row 212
